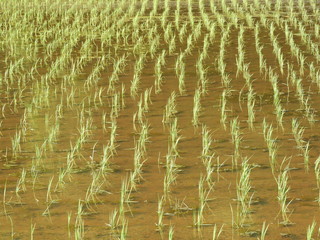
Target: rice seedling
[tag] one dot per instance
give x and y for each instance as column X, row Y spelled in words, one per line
column 21, row 183
column 241, row 53
column 79, row 230
column 125, row 197
column 170, row 109
column 32, row 229
column 180, row 72
column 4, row 201
column 210, row 168
column 171, row 232
column 271, row 144
column 179, row 207
column 317, row 174
column 174, row 139
column 190, row 45
column 112, row 140
column 250, row 105
column 12, row 230
column 16, row 147
column 171, row 175
column 105, row 165
column 95, row 189
column 114, row 220
column 236, row 140
column 244, row 197
column 138, row 163
column 124, row 230
column 160, row 213
column 223, row 109
column 203, row 199
column 202, row 72
column 310, row 230
column 216, row 234
column 206, row 142
column 283, row 190
column 49, row 199
column 196, row 107
column 264, row 230
column 69, row 224
column 158, row 74
column 297, row 132
column 306, row 151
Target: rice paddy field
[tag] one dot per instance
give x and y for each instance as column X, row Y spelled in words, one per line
column 159, row 119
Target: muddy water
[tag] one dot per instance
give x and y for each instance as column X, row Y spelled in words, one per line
column 20, row 212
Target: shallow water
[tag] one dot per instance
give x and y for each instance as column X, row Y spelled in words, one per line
column 26, row 209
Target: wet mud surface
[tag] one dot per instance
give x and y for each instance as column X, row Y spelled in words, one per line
column 78, row 141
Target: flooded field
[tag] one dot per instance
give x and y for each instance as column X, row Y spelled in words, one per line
column 160, row 119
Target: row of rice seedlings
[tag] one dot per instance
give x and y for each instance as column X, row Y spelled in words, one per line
column 180, row 72
column 211, row 168
column 160, row 62
column 174, row 139
column 113, row 134
column 95, row 189
column 276, row 47
column 236, row 140
column 206, row 143
column 204, row 194
column 15, row 142
column 118, row 68
column 140, row 149
column 306, row 106
column 125, row 196
column 160, row 212
column 118, row 223
column 259, row 47
column 223, row 109
column 196, row 107
column 241, row 50
column 314, row 75
column 250, row 105
column 306, row 40
column 294, row 49
column 283, row 190
column 221, row 65
column 304, row 101
column 202, row 72
column 301, row 60
column 273, row 78
column 171, row 175
column 317, row 175
column 244, row 196
column 79, row 230
column 135, row 82
column 172, row 168
column 95, row 75
column 140, row 144
column 49, row 199
column 21, row 184
column 170, row 110
column 38, row 164
column 302, row 145
column 271, row 144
